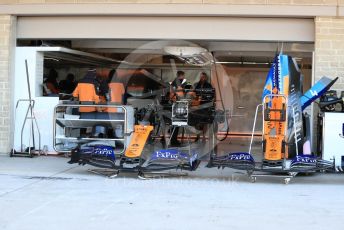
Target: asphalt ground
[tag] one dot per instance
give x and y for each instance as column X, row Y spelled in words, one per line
column 47, row 193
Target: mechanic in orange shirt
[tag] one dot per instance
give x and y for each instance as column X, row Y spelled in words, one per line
column 86, row 91
column 116, row 90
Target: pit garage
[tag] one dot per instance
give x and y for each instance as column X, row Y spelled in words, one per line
column 49, row 48
column 147, row 53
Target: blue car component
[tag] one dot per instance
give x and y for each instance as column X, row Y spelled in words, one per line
column 311, row 162
column 168, row 156
column 324, row 164
column 239, row 160
column 98, row 151
column 304, row 162
column 317, row 91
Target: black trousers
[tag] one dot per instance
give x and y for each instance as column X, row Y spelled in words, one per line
column 174, row 137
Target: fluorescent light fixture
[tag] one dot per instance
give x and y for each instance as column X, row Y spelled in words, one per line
column 184, row 51
column 53, row 59
column 192, row 55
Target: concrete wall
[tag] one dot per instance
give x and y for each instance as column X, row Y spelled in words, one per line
column 7, row 42
column 329, row 49
column 257, row 2
column 329, row 54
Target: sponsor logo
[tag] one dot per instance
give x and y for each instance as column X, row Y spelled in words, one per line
column 313, row 93
column 303, row 159
column 240, row 156
column 103, row 152
column 99, row 150
column 274, row 82
column 167, row 155
column 279, row 76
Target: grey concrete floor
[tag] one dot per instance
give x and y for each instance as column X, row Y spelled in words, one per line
column 47, row 193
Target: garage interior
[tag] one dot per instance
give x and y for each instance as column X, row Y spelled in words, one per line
column 151, row 48
column 238, row 77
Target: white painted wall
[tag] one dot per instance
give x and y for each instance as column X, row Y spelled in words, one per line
column 44, row 106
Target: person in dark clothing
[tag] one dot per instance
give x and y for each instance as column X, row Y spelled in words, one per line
column 177, row 91
column 90, row 77
column 112, row 76
column 177, row 86
column 50, row 85
column 102, row 88
column 203, row 86
column 180, row 80
column 68, row 85
column 203, row 82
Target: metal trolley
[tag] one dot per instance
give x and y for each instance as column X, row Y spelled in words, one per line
column 284, row 172
column 29, row 115
column 68, row 125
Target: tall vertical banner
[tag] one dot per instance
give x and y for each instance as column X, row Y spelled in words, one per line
column 295, row 131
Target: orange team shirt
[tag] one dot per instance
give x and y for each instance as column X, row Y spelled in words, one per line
column 116, row 94
column 86, row 92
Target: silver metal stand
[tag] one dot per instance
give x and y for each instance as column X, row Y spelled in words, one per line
column 30, row 115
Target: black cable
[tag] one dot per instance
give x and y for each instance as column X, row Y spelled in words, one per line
column 221, row 99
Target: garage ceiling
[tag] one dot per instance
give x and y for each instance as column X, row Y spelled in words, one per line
column 190, row 28
column 110, row 53
column 225, row 51
column 230, row 39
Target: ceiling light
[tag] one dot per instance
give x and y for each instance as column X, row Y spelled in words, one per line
column 184, row 51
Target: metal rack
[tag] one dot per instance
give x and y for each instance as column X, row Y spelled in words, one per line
column 29, row 115
column 283, row 172
column 67, row 128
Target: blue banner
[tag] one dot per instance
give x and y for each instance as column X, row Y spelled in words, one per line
column 270, row 79
column 275, row 82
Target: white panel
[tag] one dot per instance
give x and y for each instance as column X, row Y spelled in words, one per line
column 333, row 141
column 44, row 106
column 200, row 28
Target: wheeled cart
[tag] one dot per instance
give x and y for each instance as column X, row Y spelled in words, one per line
column 285, row 177
column 283, row 167
column 73, row 128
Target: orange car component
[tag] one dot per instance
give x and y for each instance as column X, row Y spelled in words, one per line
column 138, row 141
column 275, row 147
